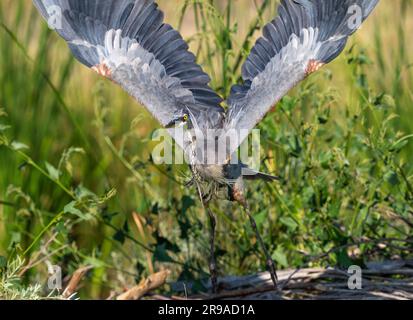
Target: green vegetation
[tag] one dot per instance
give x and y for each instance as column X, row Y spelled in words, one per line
column 77, row 185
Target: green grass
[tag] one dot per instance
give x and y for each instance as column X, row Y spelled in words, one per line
column 341, row 141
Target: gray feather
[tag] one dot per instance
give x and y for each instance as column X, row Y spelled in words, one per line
column 305, row 35
column 147, row 57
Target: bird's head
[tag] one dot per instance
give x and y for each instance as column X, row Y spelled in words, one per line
column 179, row 121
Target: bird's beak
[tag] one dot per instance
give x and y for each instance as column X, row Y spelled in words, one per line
column 172, row 124
column 176, row 123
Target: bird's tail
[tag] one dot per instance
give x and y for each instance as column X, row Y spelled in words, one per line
column 250, row 174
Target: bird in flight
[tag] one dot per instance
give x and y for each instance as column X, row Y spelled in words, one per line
column 128, row 42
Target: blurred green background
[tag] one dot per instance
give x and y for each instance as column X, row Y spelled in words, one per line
column 78, row 187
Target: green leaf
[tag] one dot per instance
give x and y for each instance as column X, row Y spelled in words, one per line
column 126, row 227
column 289, row 222
column 16, row 238
column 161, row 255
column 187, row 202
column 140, row 269
column 155, row 208
column 392, row 178
column 94, row 262
column 400, row 144
column 3, row 262
column 260, row 218
column 325, row 159
column 168, row 245
column 107, row 215
column 288, row 103
column 4, row 127
column 52, row 171
column 71, row 209
column 18, row 146
column 280, row 257
column 184, row 225
column 83, row 192
column 186, row 274
column 61, row 228
column 343, row 259
column 119, row 236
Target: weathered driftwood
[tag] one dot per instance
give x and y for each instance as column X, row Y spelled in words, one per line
column 381, row 280
column 151, row 283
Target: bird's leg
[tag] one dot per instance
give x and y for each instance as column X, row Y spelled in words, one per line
column 212, row 261
column 237, row 194
column 212, row 218
column 269, row 261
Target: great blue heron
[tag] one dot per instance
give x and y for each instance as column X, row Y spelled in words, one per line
column 128, row 42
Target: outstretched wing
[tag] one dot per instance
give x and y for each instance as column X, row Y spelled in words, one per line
column 306, row 35
column 128, row 42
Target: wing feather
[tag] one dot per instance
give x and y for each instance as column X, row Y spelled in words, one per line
column 128, row 42
column 306, row 35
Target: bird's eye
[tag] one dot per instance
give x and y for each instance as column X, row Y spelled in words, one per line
column 185, row 117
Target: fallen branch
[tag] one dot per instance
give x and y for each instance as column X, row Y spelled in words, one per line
column 73, row 285
column 146, row 285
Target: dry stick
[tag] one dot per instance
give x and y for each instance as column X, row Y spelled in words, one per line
column 146, row 285
column 75, row 280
